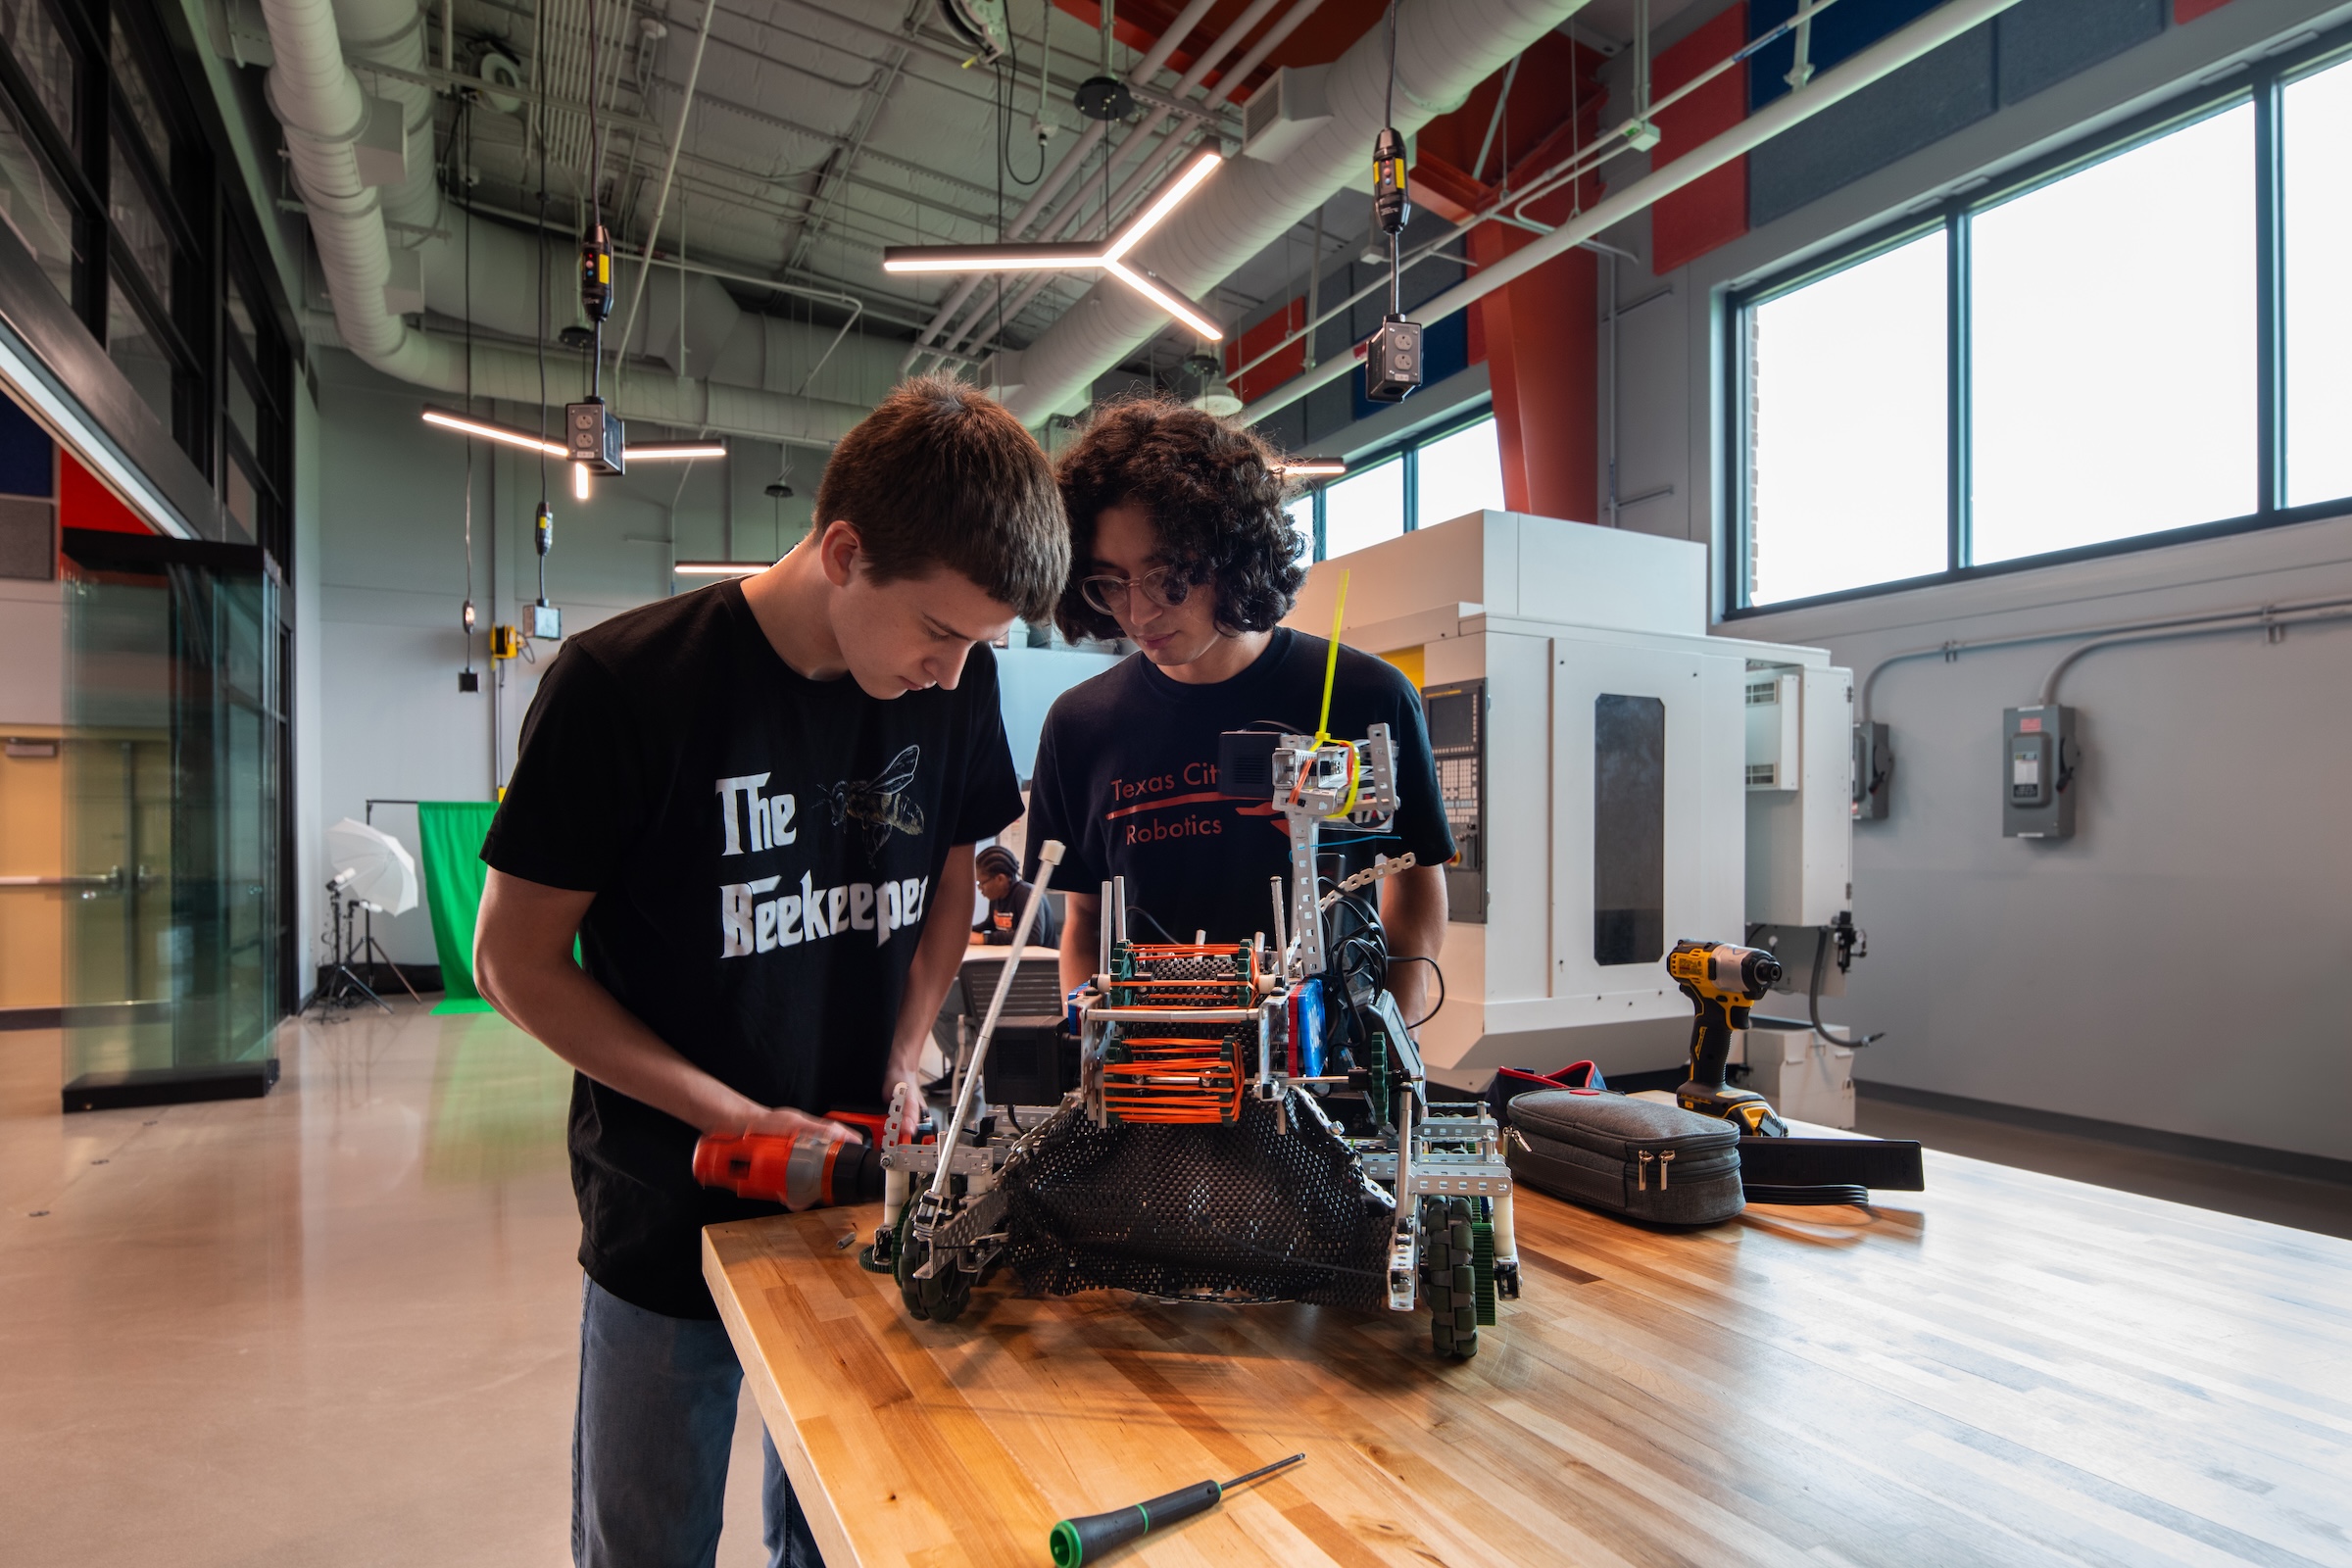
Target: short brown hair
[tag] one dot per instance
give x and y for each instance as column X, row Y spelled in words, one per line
column 941, row 474
column 1214, row 490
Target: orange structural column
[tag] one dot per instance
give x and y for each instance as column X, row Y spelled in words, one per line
column 1540, row 340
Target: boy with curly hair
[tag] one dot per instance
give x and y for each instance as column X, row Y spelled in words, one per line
column 1178, row 543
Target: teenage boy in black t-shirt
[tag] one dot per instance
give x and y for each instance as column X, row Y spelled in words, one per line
column 742, row 801
column 1178, row 543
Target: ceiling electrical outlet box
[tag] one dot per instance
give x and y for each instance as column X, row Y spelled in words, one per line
column 1393, row 361
column 2039, row 759
column 1286, row 109
column 593, row 437
column 547, row 621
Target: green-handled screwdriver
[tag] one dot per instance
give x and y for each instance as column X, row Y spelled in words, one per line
column 1083, row 1541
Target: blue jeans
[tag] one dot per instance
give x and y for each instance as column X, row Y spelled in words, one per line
column 649, row 1442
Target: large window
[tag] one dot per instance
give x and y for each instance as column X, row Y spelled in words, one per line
column 1846, row 481
column 1431, row 479
column 2084, row 359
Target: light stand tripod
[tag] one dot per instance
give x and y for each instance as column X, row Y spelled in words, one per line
column 343, row 984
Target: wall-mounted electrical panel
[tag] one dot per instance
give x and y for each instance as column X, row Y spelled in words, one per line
column 2038, row 759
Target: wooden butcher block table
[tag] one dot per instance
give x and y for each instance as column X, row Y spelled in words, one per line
column 2005, row 1369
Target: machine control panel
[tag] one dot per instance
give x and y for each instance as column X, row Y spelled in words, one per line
column 1457, row 738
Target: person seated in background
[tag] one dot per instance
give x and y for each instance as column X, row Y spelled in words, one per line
column 1004, row 893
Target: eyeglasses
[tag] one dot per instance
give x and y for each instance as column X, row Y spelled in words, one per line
column 1162, row 585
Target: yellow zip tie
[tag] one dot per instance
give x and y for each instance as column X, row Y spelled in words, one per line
column 1331, row 661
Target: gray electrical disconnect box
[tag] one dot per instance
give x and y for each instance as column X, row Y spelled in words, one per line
column 2039, row 757
column 1873, row 772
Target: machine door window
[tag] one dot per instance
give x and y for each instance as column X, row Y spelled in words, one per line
column 1628, row 829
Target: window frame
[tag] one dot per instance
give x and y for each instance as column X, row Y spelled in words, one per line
column 2262, row 85
column 1408, row 448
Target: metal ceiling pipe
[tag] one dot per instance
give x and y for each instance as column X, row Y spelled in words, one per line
column 1445, row 48
column 319, row 102
column 1071, row 162
column 1889, row 54
column 315, row 95
column 391, row 32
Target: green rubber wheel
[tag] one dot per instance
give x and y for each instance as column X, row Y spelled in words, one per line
column 905, row 1263
column 1481, row 1260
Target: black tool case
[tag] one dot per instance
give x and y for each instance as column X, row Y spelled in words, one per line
column 1634, row 1158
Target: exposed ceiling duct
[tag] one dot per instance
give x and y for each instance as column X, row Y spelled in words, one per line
column 1443, row 49
column 355, row 212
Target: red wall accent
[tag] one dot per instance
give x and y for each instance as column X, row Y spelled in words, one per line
column 1538, row 336
column 82, row 502
column 1291, row 361
column 2191, row 10
column 1712, row 210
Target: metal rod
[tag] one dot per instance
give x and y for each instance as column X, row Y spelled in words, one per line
column 653, row 231
column 1261, row 1470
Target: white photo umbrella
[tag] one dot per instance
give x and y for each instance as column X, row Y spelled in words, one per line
column 383, row 875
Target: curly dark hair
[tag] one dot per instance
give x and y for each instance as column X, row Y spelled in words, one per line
column 1214, row 491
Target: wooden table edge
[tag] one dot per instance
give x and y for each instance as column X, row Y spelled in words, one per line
column 816, row 1503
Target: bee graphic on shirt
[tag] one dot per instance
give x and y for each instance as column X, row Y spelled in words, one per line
column 879, row 802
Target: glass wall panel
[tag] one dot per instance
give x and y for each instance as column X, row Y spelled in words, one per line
column 172, row 820
column 2113, row 321
column 2316, row 145
column 140, row 224
column 42, row 49
column 33, row 205
column 1459, row 473
column 138, row 96
column 1848, row 387
column 139, row 353
column 1363, row 509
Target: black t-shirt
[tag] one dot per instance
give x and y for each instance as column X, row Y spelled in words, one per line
column 762, row 849
column 999, row 915
column 1127, row 779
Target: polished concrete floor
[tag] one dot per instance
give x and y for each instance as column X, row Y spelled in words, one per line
column 338, row 1325
column 335, row 1326
column 2301, row 1202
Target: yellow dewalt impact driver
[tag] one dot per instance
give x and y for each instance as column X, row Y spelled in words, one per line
column 1723, row 982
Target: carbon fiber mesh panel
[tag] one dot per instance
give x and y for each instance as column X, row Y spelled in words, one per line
column 1238, row 1213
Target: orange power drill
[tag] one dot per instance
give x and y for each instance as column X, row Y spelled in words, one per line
column 795, row 1170
column 1723, row 982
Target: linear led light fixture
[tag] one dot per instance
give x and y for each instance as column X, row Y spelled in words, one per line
column 718, row 569
column 1109, row 257
column 1313, row 469
column 484, row 429
column 674, row 450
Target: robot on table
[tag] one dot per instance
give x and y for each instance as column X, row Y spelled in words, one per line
column 1252, row 1121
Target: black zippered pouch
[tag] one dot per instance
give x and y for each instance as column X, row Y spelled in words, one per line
column 1633, row 1158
